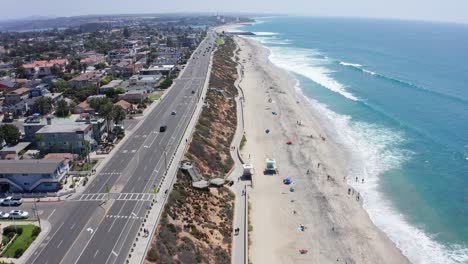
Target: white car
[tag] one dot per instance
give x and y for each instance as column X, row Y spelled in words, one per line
column 10, row 200
column 4, row 215
column 19, row 214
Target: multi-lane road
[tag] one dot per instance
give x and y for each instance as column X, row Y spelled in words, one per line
column 94, row 229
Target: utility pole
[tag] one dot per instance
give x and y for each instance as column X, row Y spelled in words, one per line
column 37, row 214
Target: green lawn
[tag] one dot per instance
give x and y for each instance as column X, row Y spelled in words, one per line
column 21, row 242
column 154, row 97
column 219, row 41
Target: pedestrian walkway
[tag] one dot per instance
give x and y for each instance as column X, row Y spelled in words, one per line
column 115, row 196
column 124, row 217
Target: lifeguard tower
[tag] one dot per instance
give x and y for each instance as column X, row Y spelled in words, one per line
column 271, row 167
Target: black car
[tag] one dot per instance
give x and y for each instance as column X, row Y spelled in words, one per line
column 162, row 128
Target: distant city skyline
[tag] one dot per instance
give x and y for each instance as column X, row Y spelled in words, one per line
column 428, row 10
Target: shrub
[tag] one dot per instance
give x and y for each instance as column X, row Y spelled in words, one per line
column 152, row 255
column 11, row 230
column 19, row 252
column 5, row 240
column 35, row 232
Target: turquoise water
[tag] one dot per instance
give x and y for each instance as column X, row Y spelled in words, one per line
column 395, row 94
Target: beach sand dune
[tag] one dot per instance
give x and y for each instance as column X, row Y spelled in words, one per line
column 337, row 228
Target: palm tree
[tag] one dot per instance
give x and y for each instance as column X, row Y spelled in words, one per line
column 87, row 144
column 118, row 114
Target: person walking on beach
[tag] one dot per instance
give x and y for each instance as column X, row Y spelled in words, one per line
column 357, row 197
column 362, row 180
column 349, row 191
column 356, row 179
column 308, row 171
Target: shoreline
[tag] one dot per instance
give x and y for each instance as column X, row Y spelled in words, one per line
column 347, row 233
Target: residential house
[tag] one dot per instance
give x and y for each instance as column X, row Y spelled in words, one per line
column 86, row 79
column 43, row 68
column 6, row 85
column 134, row 96
column 32, row 175
column 112, row 85
column 126, row 106
column 145, row 80
column 83, row 107
column 92, row 60
column 13, row 152
column 17, row 95
column 66, row 135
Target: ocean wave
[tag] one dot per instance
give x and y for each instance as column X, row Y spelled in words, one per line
column 374, row 150
column 271, row 40
column 349, row 64
column 408, row 84
column 311, row 64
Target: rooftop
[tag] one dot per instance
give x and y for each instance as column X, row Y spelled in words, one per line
column 28, row 166
column 60, row 128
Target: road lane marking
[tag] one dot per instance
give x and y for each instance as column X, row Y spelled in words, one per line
column 113, row 252
column 73, row 226
column 51, row 214
column 60, row 243
column 95, row 254
column 48, row 241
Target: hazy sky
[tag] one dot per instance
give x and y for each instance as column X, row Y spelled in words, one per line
column 435, row 10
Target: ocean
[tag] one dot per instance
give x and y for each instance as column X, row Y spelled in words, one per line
column 394, row 95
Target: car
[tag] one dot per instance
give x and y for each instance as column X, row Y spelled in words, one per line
column 10, row 200
column 162, row 128
column 193, row 92
column 4, row 214
column 19, row 214
column 173, row 113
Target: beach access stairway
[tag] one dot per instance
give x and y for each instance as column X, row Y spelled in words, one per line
column 198, row 181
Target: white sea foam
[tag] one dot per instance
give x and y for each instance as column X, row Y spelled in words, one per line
column 272, row 40
column 357, row 66
column 369, row 72
column 311, row 64
column 374, row 150
column 265, row 33
column 350, row 64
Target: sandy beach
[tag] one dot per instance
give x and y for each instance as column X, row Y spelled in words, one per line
column 337, row 228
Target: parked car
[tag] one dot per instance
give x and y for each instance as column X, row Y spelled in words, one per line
column 4, row 214
column 10, row 200
column 19, row 214
column 162, row 128
column 173, row 113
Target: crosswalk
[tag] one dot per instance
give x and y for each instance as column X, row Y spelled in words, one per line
column 124, row 217
column 115, row 196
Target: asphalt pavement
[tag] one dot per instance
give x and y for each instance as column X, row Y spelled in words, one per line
column 100, row 230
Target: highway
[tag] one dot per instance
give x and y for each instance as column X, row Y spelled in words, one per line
column 92, row 229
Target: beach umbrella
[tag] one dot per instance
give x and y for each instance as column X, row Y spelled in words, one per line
column 287, row 181
column 274, row 113
column 267, row 131
column 289, row 142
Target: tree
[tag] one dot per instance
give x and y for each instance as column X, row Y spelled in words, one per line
column 10, row 133
column 100, row 66
column 105, row 111
column 63, row 109
column 118, row 114
column 42, row 105
column 87, row 144
column 166, row 83
column 59, row 85
column 126, row 32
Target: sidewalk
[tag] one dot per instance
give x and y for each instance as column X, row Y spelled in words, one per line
column 240, row 243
